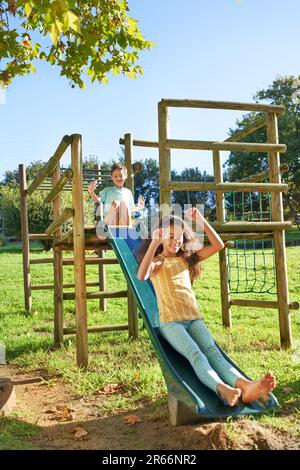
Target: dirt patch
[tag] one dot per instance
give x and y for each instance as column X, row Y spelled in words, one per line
column 252, row 435
column 69, row 421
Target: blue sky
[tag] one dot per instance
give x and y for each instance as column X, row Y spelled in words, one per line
column 206, row 49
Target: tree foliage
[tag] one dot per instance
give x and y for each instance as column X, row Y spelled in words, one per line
column 90, row 38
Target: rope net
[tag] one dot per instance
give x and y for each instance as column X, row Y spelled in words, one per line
column 251, row 263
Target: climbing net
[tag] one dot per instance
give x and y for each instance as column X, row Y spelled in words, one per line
column 251, row 263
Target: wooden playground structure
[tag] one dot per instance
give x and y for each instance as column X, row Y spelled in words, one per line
column 78, row 239
column 81, row 238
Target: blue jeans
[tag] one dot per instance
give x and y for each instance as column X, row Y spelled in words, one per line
column 193, row 340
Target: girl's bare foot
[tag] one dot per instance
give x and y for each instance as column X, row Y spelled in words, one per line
column 254, row 390
column 230, row 394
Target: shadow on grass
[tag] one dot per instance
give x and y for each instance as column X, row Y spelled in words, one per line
column 44, row 344
column 5, row 250
column 15, row 434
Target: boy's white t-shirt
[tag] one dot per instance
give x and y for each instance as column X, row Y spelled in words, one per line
column 112, row 193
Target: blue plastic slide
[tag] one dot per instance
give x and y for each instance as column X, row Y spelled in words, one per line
column 180, row 378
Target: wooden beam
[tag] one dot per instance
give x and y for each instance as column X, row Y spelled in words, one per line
column 223, row 259
column 224, row 187
column 57, row 268
column 65, row 177
column 40, row 236
column 141, row 143
column 248, row 130
column 232, row 105
column 247, row 236
column 250, row 226
column 67, row 214
column 98, row 329
column 226, row 146
column 284, row 168
column 279, row 239
column 88, row 246
column 132, row 314
column 128, row 162
column 41, row 261
column 261, row 303
column 79, row 253
column 50, row 165
column 164, row 159
column 65, row 286
column 98, row 295
column 92, row 260
column 101, row 254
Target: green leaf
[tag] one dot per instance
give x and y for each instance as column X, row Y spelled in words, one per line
column 122, row 41
column 104, row 80
column 71, row 21
column 54, row 34
column 28, row 8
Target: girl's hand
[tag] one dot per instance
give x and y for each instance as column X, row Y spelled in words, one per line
column 141, row 202
column 193, row 214
column 157, row 236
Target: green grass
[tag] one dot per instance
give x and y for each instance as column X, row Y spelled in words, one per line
column 253, row 341
column 13, row 434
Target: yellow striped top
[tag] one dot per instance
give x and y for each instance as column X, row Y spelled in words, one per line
column 175, row 297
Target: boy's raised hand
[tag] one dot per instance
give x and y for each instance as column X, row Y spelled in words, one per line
column 92, row 185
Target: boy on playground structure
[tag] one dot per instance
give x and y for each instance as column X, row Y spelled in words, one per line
column 118, row 203
column 166, row 259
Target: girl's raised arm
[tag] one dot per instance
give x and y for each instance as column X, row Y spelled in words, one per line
column 148, row 265
column 216, row 243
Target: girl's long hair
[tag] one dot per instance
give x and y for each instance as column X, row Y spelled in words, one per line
column 193, row 260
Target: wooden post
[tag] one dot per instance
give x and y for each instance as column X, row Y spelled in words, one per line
column 79, row 252
column 223, row 262
column 128, row 161
column 164, row 158
column 25, row 238
column 131, row 304
column 132, row 315
column 279, row 238
column 57, row 267
column 101, row 254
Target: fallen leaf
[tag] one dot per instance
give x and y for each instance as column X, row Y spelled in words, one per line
column 66, row 416
column 51, row 409
column 79, row 432
column 131, row 419
column 110, row 389
column 62, row 408
column 63, row 412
